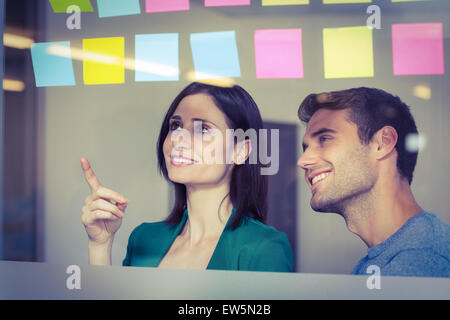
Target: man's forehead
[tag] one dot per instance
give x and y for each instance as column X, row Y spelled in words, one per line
column 326, row 118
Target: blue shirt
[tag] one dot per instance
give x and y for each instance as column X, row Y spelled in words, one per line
column 420, row 248
column 252, row 246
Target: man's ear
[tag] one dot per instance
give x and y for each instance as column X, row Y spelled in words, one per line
column 242, row 151
column 385, row 139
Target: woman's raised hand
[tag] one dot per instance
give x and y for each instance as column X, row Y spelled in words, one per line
column 103, row 210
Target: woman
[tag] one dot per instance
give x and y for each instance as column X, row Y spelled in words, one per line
column 220, row 206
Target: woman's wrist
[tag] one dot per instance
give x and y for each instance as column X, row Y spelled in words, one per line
column 100, row 253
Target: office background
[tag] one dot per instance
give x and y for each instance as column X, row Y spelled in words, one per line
column 48, row 128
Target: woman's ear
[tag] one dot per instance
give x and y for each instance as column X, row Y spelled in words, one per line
column 385, row 139
column 242, row 151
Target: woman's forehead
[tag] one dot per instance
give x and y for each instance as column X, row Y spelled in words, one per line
column 200, row 106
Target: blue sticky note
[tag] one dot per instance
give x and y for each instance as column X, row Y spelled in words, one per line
column 113, row 8
column 215, row 55
column 52, row 64
column 156, row 57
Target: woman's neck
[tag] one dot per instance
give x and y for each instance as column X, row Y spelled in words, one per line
column 209, row 209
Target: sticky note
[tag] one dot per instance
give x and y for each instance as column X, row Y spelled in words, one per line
column 215, row 54
column 156, row 57
column 113, row 8
column 283, row 2
column 52, row 64
column 348, row 52
column 166, row 5
column 62, row 5
column 224, row 3
column 103, row 60
column 418, row 48
column 278, row 53
column 345, row 1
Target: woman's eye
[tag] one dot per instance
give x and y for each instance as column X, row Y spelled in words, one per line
column 205, row 129
column 174, row 126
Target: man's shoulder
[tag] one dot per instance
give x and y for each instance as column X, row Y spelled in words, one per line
column 421, row 249
column 429, row 232
column 418, row 262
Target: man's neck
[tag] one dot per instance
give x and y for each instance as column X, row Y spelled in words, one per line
column 377, row 215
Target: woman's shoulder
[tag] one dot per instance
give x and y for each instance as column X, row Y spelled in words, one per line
column 152, row 229
column 255, row 231
column 260, row 247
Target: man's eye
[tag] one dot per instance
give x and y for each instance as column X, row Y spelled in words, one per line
column 205, row 129
column 323, row 139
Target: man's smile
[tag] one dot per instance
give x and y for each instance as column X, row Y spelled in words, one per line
column 317, row 176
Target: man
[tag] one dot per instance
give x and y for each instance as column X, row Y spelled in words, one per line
column 359, row 163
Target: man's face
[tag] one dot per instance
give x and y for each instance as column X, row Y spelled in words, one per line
column 338, row 168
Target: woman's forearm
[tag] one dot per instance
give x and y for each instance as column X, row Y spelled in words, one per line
column 100, row 254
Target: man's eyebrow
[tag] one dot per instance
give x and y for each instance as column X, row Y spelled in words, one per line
column 323, row 130
column 317, row 133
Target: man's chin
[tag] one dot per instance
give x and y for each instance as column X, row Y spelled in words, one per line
column 324, row 206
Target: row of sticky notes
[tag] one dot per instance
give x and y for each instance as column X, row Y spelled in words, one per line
column 111, row 8
column 417, row 49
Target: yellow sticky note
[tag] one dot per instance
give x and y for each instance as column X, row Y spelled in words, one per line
column 103, row 60
column 283, row 2
column 345, row 1
column 348, row 52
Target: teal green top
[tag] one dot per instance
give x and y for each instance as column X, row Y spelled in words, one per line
column 252, row 246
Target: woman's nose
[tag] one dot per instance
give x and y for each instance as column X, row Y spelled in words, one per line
column 181, row 139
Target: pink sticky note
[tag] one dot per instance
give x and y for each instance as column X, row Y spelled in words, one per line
column 222, row 3
column 166, row 5
column 418, row 48
column 278, row 53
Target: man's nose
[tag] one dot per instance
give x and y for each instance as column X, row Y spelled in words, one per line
column 307, row 159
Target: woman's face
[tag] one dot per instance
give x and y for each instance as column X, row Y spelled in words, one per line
column 195, row 148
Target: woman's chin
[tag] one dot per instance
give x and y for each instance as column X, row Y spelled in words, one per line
column 178, row 178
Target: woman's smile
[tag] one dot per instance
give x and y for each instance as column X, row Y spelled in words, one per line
column 180, row 161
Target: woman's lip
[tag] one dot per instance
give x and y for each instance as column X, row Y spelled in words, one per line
column 181, row 164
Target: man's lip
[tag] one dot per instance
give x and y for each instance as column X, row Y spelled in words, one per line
column 311, row 176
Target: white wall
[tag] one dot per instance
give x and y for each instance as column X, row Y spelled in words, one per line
column 116, row 126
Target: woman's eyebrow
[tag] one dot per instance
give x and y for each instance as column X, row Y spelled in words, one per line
column 176, row 117
column 204, row 120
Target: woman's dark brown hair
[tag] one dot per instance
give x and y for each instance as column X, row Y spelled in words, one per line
column 248, row 188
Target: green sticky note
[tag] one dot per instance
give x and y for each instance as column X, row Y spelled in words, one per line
column 283, row 2
column 345, row 1
column 62, row 5
column 348, row 52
